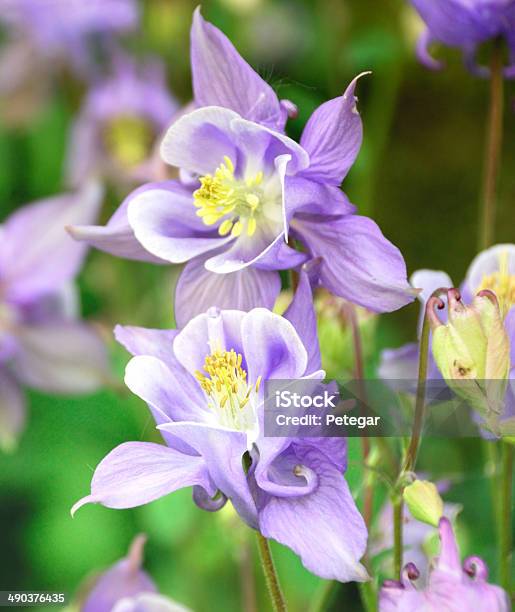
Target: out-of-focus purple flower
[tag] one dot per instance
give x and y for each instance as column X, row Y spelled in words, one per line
column 451, row 586
column 126, row 587
column 42, row 343
column 61, row 28
column 492, row 269
column 204, row 387
column 44, row 35
column 121, row 119
column 466, row 24
column 246, row 189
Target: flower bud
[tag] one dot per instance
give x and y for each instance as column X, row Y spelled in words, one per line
column 424, row 502
column 473, row 346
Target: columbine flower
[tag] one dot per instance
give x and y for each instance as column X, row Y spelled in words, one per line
column 126, row 587
column 42, row 344
column 493, row 270
column 466, row 25
column 451, row 587
column 204, row 387
column 121, row 119
column 246, row 189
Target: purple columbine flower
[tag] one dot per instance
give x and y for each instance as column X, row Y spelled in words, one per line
column 42, row 343
column 118, row 127
column 451, row 586
column 493, row 269
column 466, row 24
column 204, row 387
column 126, row 587
column 246, row 189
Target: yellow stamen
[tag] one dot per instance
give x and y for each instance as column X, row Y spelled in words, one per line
column 225, row 382
column 502, row 283
column 223, row 197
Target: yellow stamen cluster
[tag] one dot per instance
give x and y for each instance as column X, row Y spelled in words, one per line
column 129, row 139
column 225, row 380
column 222, row 195
column 502, row 283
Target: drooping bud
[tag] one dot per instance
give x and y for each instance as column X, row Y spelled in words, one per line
column 424, row 502
column 472, row 351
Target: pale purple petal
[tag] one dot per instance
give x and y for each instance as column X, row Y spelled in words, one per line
column 306, row 196
column 148, row 602
column 221, row 77
column 488, row 262
column 170, row 392
column 198, row 290
column 336, row 538
column 136, row 473
column 165, row 223
column 222, row 451
column 212, row 330
column 509, row 324
column 452, row 22
column 117, row 237
column 332, row 137
column 141, row 341
column 272, row 347
column 124, row 579
column 37, row 255
column 199, row 141
column 12, row 411
column 428, row 281
column 61, row 358
column 358, row 262
column 301, row 315
column 400, row 363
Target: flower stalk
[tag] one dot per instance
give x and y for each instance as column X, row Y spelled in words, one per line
column 493, row 147
column 272, row 580
column 411, row 454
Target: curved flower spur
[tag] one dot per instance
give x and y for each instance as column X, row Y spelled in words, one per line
column 203, row 385
column 246, row 189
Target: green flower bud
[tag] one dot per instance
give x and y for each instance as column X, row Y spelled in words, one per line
column 424, row 502
column 474, row 346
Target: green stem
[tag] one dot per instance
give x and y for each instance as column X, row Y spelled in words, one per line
column 420, row 402
column 272, row 581
column 506, row 515
column 493, row 147
column 418, row 422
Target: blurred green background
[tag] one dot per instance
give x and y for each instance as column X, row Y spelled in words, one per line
column 418, row 175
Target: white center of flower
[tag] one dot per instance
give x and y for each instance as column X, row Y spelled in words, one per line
column 230, row 396
column 236, row 203
column 502, row 283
